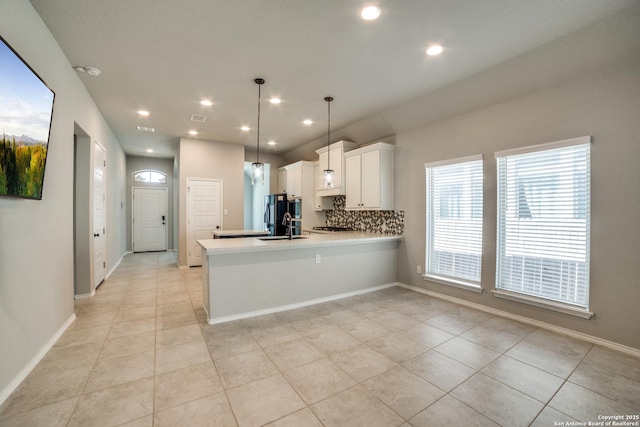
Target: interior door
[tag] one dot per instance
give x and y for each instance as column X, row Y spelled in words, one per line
column 99, row 197
column 204, row 214
column 149, row 219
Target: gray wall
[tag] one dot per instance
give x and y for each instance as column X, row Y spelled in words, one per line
column 36, row 247
column 604, row 105
column 215, row 160
column 136, row 163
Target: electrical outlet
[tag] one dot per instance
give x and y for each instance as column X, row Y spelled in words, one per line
column 419, row 269
column 318, row 259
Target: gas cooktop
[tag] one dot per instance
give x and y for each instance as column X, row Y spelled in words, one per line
column 328, row 228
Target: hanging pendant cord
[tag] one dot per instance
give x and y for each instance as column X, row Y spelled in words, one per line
column 258, row 153
column 328, row 99
column 328, row 134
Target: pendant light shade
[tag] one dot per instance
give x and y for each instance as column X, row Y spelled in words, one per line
column 328, row 172
column 257, row 168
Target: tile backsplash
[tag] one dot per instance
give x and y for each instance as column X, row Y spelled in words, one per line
column 387, row 222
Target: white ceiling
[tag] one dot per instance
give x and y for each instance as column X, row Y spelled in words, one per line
column 165, row 56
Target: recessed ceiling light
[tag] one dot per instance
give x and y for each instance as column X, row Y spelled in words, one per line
column 93, row 71
column 143, row 113
column 275, row 100
column 193, row 132
column 434, row 50
column 206, row 103
column 370, row 13
column 271, row 143
column 307, row 122
column 149, row 150
column 245, row 128
column 145, row 129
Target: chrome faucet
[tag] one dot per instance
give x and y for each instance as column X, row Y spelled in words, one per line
column 287, row 220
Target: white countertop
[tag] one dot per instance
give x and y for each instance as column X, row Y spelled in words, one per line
column 223, row 233
column 251, row 244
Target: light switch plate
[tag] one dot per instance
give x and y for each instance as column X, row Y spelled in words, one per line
column 318, row 259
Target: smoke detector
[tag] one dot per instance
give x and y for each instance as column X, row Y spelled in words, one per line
column 92, row 71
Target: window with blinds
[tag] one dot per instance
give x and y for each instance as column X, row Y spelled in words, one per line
column 544, row 221
column 454, row 221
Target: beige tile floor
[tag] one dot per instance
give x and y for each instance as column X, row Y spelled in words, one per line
column 141, row 354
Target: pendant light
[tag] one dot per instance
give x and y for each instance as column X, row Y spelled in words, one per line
column 257, row 168
column 328, row 172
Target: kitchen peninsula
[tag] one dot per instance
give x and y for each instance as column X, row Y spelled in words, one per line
column 248, row 277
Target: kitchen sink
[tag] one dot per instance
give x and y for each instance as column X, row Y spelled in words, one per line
column 281, row 238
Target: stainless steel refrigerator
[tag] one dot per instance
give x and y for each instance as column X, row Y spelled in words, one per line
column 275, row 206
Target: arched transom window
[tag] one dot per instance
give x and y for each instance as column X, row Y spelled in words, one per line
column 155, row 177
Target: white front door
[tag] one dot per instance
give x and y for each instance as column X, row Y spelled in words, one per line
column 149, row 219
column 204, row 214
column 99, row 196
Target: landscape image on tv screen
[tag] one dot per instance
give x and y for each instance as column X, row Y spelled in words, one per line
column 26, row 108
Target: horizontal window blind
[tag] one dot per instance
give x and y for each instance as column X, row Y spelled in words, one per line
column 454, row 220
column 544, row 223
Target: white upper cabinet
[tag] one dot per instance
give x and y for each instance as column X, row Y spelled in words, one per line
column 290, row 179
column 294, row 183
column 282, row 180
column 369, row 177
column 299, row 183
column 334, row 159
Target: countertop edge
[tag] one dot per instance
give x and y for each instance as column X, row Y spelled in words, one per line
column 213, row 247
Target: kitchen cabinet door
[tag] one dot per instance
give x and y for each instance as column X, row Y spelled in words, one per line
column 370, row 180
column 335, row 158
column 282, row 181
column 353, row 175
column 294, row 183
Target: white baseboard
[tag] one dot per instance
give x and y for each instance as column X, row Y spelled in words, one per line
column 225, row 319
column 631, row 351
column 13, row 385
column 85, row 296
column 110, row 272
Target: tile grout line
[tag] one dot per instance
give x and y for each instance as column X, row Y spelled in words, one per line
column 565, row 381
column 95, row 362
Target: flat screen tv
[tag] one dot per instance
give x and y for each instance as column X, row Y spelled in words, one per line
column 26, row 109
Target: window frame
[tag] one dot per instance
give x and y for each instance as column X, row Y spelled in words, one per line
column 430, row 210
column 150, row 172
column 580, row 211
